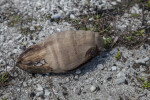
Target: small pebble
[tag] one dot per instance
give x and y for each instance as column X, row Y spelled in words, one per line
column 15, row 51
column 142, row 69
column 112, row 52
column 67, row 79
column 24, row 84
column 72, row 16
column 135, row 9
column 46, row 98
column 47, row 93
column 39, row 93
column 18, row 37
column 32, row 28
column 93, row 88
column 76, row 77
column 148, row 63
column 56, row 16
column 120, row 80
column 105, row 69
column 118, row 0
column 114, row 3
column 113, row 68
column 39, row 88
column 100, row 66
column 121, row 74
column 78, row 91
column 90, row 19
column 78, row 71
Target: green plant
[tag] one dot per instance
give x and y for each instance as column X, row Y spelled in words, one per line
column 87, row 2
column 139, row 33
column 4, row 78
column 83, row 28
column 148, row 4
column 28, row 19
column 139, row 0
column 27, row 30
column 16, row 19
column 47, row 16
column 97, row 16
column 105, row 29
column 117, row 56
column 107, row 41
column 135, row 15
column 4, row 98
column 145, row 84
column 37, row 28
column 13, row 20
column 127, row 38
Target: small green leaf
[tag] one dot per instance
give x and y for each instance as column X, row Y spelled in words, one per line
column 142, row 31
column 97, row 16
column 117, row 56
column 145, row 85
column 135, row 15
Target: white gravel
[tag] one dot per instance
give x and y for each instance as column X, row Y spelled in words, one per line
column 115, row 79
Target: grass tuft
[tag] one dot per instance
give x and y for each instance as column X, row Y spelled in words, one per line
column 117, row 56
column 4, row 78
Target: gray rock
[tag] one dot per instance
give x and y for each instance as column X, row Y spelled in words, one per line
column 18, row 37
column 114, row 3
column 142, row 61
column 78, row 91
column 113, row 68
column 32, row 28
column 9, row 68
column 2, row 38
column 142, row 69
column 56, row 16
column 47, row 93
column 10, row 42
column 76, row 77
column 25, row 84
column 15, row 51
column 105, row 68
column 118, row 0
column 113, row 51
column 39, row 93
column 2, row 62
column 100, row 66
column 120, row 80
column 39, row 88
column 148, row 63
column 121, row 74
column 135, row 10
column 110, row 98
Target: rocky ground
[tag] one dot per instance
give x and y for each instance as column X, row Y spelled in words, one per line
column 120, row 72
